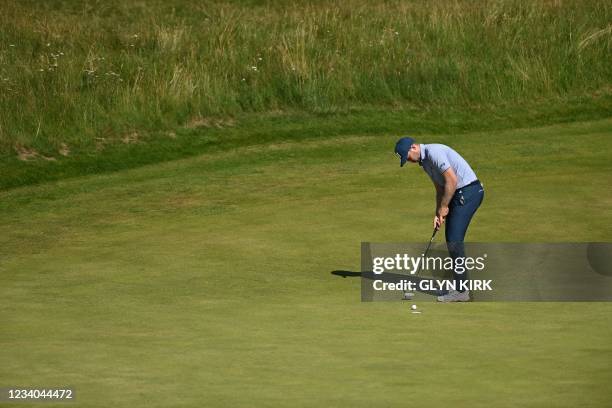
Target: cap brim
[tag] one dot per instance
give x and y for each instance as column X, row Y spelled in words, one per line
column 403, row 161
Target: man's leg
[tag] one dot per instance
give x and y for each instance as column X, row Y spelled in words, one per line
column 462, row 208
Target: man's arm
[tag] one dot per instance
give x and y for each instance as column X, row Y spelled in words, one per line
column 444, row 195
column 450, row 185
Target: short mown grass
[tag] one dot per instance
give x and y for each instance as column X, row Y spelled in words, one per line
column 206, row 281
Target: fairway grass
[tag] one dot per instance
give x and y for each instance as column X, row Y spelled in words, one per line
column 206, row 281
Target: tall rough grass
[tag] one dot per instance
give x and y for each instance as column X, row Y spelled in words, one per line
column 76, row 72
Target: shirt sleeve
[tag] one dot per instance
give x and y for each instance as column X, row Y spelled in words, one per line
column 440, row 162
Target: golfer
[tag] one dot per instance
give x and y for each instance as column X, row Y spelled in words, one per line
column 459, row 193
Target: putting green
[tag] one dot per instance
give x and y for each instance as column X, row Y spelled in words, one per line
column 206, row 281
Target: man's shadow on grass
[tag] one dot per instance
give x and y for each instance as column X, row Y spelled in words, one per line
column 390, row 278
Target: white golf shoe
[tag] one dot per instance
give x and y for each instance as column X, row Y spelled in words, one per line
column 454, row 296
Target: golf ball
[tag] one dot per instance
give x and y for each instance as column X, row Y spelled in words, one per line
column 413, row 307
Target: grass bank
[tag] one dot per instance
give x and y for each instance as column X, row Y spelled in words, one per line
column 29, row 166
column 77, row 78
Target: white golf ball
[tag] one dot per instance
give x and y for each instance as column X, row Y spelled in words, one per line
column 413, row 307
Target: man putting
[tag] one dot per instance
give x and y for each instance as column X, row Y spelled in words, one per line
column 459, row 193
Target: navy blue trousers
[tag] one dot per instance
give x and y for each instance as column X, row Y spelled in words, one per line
column 461, row 209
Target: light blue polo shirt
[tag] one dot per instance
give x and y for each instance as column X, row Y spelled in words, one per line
column 437, row 158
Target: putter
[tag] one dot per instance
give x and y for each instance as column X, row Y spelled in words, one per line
column 409, row 295
column 433, row 235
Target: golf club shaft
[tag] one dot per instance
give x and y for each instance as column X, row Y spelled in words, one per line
column 433, row 235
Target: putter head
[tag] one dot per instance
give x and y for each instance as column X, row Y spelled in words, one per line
column 408, row 296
